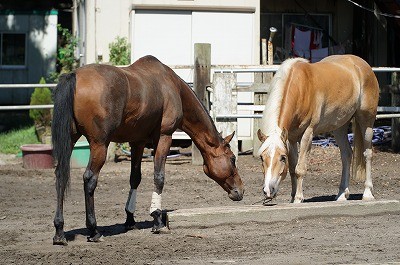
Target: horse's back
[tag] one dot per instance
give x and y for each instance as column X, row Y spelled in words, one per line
column 129, row 103
column 362, row 75
column 332, row 91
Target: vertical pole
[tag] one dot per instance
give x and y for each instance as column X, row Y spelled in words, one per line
column 224, row 102
column 264, row 51
column 261, row 98
column 201, row 80
column 270, row 53
column 395, row 93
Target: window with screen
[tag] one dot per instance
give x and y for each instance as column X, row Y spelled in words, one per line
column 13, row 49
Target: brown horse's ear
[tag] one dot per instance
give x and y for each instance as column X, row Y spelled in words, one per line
column 261, row 136
column 284, row 134
column 229, row 137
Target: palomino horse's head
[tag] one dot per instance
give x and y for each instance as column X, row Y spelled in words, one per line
column 274, row 157
column 221, row 167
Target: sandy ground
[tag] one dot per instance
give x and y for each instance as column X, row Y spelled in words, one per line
column 27, row 204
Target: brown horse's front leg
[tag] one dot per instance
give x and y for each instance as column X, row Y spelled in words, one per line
column 161, row 153
column 97, row 159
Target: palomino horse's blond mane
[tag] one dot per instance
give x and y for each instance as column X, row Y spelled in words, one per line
column 269, row 123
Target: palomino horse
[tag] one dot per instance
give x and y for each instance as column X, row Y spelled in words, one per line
column 308, row 99
column 140, row 104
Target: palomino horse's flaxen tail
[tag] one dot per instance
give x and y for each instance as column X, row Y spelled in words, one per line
column 61, row 129
column 358, row 159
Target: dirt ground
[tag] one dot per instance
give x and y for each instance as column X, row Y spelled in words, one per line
column 27, row 204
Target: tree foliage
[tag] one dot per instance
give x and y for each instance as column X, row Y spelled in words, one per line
column 120, row 51
column 41, row 96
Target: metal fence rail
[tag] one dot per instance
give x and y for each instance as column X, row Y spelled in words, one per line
column 215, row 69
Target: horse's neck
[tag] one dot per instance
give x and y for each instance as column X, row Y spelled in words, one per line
column 196, row 121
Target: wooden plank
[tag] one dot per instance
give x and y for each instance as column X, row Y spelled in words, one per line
column 212, row 216
column 395, row 91
column 225, row 102
column 201, row 80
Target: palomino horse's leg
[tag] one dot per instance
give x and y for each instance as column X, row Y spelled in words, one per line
column 367, row 134
column 293, row 157
column 345, row 154
column 367, row 195
column 301, row 168
column 136, row 177
column 161, row 152
column 98, row 153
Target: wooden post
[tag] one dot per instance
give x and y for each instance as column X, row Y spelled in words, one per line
column 270, row 53
column 224, row 102
column 261, row 98
column 395, row 92
column 201, row 80
column 264, row 51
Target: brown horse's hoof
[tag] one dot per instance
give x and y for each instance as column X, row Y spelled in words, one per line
column 61, row 241
column 161, row 230
column 97, row 238
column 131, row 227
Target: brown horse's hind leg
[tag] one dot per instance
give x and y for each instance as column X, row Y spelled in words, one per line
column 59, row 237
column 98, row 153
column 135, row 178
column 161, row 153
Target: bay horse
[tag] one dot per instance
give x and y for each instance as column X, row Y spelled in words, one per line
column 307, row 99
column 140, row 104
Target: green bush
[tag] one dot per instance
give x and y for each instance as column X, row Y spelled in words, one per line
column 41, row 96
column 11, row 141
column 66, row 51
column 120, row 51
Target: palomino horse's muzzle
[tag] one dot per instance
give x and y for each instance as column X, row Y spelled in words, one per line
column 270, row 191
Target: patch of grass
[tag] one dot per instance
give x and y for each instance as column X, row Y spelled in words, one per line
column 11, row 141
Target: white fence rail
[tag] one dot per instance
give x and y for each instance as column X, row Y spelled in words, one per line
column 215, row 69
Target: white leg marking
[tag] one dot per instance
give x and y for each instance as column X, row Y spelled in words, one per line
column 343, row 196
column 367, row 195
column 155, row 202
column 131, row 202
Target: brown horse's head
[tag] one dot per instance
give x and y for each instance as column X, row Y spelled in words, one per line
column 221, row 167
column 274, row 157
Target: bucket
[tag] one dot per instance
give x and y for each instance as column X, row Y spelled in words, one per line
column 80, row 154
column 37, row 156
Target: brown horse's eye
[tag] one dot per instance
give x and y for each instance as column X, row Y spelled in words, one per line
column 283, row 159
column 233, row 160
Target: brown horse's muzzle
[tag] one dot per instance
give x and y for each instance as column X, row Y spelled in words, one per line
column 236, row 194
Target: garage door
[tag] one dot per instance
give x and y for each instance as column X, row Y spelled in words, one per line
column 170, row 36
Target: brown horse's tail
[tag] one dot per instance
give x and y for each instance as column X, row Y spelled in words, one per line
column 358, row 160
column 61, row 129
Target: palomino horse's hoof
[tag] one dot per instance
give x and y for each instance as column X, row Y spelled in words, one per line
column 97, row 238
column 61, row 241
column 367, row 195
